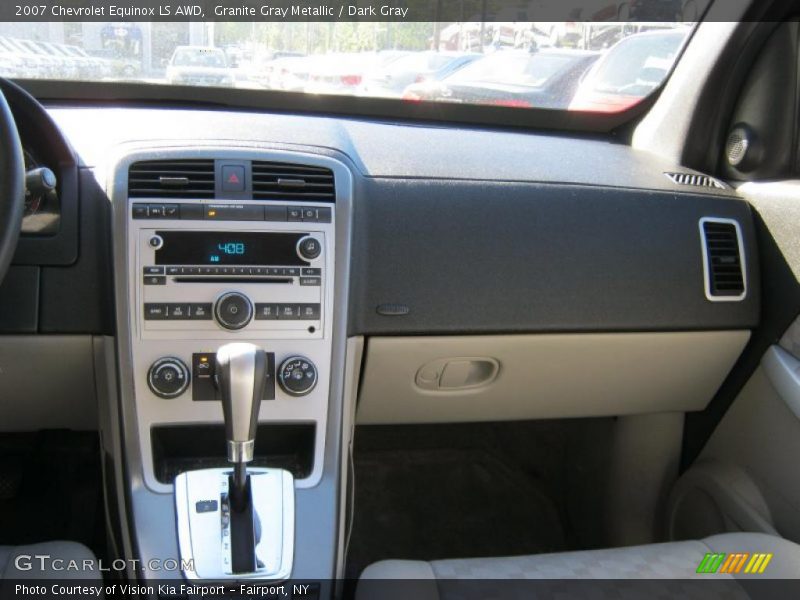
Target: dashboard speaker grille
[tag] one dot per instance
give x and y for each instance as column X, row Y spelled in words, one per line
column 275, row 180
column 723, row 259
column 695, row 180
column 171, row 179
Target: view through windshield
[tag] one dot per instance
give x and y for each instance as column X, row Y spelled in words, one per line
column 588, row 66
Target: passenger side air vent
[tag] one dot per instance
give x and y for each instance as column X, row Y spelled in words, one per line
column 695, row 180
column 277, row 181
column 171, row 179
column 723, row 260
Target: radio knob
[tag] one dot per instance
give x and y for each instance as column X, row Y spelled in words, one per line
column 233, row 310
column 309, row 248
column 297, row 376
column 168, row 377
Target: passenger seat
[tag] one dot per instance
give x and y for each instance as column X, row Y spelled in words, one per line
column 674, row 560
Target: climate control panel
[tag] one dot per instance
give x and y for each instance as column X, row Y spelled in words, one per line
column 169, row 377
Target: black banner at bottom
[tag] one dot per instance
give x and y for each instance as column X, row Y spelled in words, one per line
column 712, row 587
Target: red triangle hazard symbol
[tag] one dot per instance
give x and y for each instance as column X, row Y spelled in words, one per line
column 233, row 178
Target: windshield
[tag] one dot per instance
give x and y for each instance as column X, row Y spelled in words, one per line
column 589, row 66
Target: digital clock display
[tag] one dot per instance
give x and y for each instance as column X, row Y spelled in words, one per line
column 221, row 248
column 229, row 249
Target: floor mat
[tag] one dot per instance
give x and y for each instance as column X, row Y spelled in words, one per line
column 434, row 503
column 52, row 489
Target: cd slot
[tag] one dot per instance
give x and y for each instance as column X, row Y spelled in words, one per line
column 231, row 279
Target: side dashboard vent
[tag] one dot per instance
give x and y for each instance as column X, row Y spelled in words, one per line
column 171, row 179
column 275, row 180
column 694, row 180
column 723, row 260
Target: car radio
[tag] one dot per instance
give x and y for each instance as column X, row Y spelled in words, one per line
column 259, row 280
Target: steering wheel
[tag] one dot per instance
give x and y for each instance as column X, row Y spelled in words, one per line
column 12, row 186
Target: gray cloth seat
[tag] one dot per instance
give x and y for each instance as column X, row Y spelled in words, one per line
column 49, row 560
column 674, row 560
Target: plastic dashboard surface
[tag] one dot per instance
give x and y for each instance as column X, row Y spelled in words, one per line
column 486, row 231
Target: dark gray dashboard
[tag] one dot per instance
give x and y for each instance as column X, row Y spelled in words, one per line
column 473, row 230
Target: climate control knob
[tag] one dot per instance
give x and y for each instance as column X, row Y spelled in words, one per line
column 233, row 310
column 168, row 377
column 297, row 376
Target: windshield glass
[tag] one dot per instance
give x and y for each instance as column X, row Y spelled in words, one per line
column 588, row 66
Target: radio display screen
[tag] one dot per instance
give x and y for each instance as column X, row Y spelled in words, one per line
column 222, row 248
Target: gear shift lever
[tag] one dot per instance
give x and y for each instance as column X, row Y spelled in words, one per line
column 241, row 371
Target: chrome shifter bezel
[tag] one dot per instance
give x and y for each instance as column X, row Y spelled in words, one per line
column 196, row 544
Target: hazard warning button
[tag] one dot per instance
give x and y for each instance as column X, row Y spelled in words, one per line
column 232, row 178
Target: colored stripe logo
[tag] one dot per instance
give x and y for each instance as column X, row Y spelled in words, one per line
column 733, row 563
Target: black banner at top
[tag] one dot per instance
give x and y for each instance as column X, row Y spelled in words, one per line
column 362, row 10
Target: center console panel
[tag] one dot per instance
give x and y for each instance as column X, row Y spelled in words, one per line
column 206, row 271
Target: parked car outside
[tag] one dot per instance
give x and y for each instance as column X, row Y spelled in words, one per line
column 290, row 74
column 629, row 71
column 339, row 73
column 199, row 65
column 543, row 79
column 393, row 79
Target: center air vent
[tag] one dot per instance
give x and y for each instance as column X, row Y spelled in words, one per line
column 274, row 180
column 723, row 260
column 171, row 179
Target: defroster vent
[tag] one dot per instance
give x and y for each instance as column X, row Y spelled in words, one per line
column 299, row 183
column 723, row 259
column 190, row 178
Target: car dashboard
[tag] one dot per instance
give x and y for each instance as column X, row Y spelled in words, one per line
column 411, row 274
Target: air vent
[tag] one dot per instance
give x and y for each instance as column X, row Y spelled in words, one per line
column 723, row 260
column 300, row 183
column 171, row 179
column 695, row 180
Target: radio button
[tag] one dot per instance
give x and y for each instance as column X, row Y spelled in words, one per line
column 177, row 312
column 324, row 215
column 155, row 312
column 309, row 248
column 275, row 213
column 155, row 280
column 308, row 312
column 313, row 281
column 200, row 312
column 191, row 211
column 233, row 310
column 287, row 312
column 267, row 312
column 154, row 270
